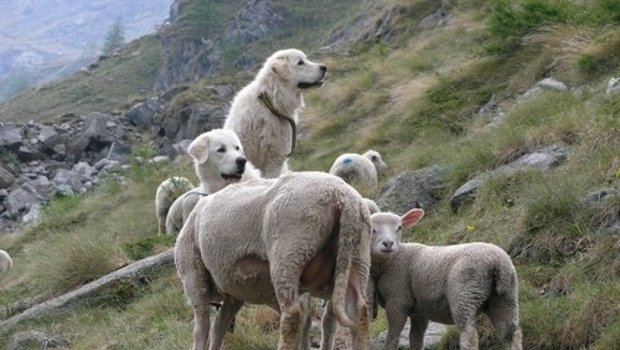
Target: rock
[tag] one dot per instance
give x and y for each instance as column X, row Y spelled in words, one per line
column 171, row 93
column 601, row 195
column 181, row 147
column 192, row 120
column 34, row 340
column 33, row 214
column 441, row 18
column 543, row 159
column 412, row 188
column 28, row 153
column 11, row 136
column 93, row 138
column 3, row 194
column 27, row 195
column 83, row 169
column 141, row 114
column 159, row 160
column 253, row 22
column 106, row 164
column 69, row 178
column 432, row 336
column 49, row 137
column 552, row 84
column 6, row 177
column 613, row 86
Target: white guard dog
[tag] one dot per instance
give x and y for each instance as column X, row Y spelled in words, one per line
column 219, row 161
column 264, row 113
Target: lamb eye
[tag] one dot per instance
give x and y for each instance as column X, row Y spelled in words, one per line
column 399, row 228
column 374, row 231
column 301, row 63
column 221, row 150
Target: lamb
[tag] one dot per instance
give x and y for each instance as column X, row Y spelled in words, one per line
column 353, row 166
column 5, row 262
column 446, row 284
column 266, row 241
column 167, row 192
column 219, row 161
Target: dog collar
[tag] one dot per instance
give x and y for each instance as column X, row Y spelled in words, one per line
column 267, row 102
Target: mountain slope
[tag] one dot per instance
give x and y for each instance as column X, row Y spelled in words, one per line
column 428, row 86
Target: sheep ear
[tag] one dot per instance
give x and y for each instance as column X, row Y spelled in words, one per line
column 411, row 217
column 281, row 67
column 199, row 148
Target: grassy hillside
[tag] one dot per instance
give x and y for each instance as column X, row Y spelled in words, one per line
column 115, row 84
column 414, row 99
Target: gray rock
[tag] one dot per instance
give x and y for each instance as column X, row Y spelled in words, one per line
column 141, row 114
column 34, row 340
column 613, row 86
column 601, row 195
column 552, row 84
column 33, row 214
column 83, row 169
column 159, row 160
column 3, row 194
column 29, row 194
column 28, row 153
column 6, row 177
column 192, row 120
column 11, row 136
column 441, row 18
column 543, row 159
column 49, row 137
column 69, row 178
column 107, row 164
column 412, row 188
column 94, row 136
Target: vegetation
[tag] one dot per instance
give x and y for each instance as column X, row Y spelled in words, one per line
column 114, row 38
column 415, row 99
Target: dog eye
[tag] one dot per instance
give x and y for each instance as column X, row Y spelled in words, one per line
column 221, row 149
column 301, row 63
column 373, row 158
column 237, row 148
column 399, row 228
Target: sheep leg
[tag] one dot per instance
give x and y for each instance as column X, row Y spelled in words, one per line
column 328, row 328
column 194, row 277
column 396, row 317
column 289, row 324
column 504, row 316
column 359, row 311
column 285, row 279
column 416, row 333
column 303, row 342
column 222, row 323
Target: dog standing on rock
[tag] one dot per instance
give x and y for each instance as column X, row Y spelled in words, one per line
column 264, row 113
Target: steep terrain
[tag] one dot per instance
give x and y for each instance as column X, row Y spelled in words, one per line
column 500, row 118
column 41, row 40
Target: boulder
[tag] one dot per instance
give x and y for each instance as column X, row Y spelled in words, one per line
column 11, row 136
column 27, row 195
column 93, row 138
column 543, row 159
column 69, row 178
column 412, row 188
column 613, row 86
column 83, row 169
column 6, row 177
column 192, row 120
column 49, row 137
column 141, row 114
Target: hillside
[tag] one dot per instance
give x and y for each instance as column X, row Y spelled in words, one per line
column 497, row 117
column 41, row 41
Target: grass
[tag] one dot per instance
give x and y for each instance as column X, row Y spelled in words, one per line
column 414, row 99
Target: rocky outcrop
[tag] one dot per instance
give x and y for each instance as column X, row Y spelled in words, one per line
column 543, row 159
column 189, row 57
column 411, row 189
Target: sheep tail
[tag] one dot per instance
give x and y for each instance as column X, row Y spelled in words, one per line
column 505, row 276
column 349, row 242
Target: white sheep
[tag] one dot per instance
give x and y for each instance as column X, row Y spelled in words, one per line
column 445, row 284
column 167, row 192
column 353, row 166
column 5, row 262
column 266, row 241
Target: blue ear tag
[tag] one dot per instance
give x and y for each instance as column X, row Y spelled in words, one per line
column 347, row 161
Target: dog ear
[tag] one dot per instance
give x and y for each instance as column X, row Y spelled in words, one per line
column 281, row 67
column 199, row 148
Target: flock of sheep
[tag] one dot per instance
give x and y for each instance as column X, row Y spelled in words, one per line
column 254, row 232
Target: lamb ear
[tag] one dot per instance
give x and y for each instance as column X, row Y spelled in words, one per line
column 411, row 217
column 199, row 148
column 281, row 67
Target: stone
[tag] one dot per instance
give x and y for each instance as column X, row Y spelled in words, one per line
column 83, row 169
column 28, row 153
column 141, row 114
column 68, row 178
column 192, row 120
column 410, row 189
column 6, row 177
column 94, row 136
column 30, row 193
column 552, row 84
column 160, row 160
column 11, row 136
column 613, row 86
column 544, row 159
column 49, row 137
column 33, row 214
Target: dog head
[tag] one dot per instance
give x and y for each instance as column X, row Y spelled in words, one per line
column 293, row 66
column 218, row 153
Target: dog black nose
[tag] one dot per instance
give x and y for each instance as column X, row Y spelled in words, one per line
column 323, row 68
column 388, row 244
column 241, row 161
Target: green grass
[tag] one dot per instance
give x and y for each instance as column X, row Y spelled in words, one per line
column 414, row 99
